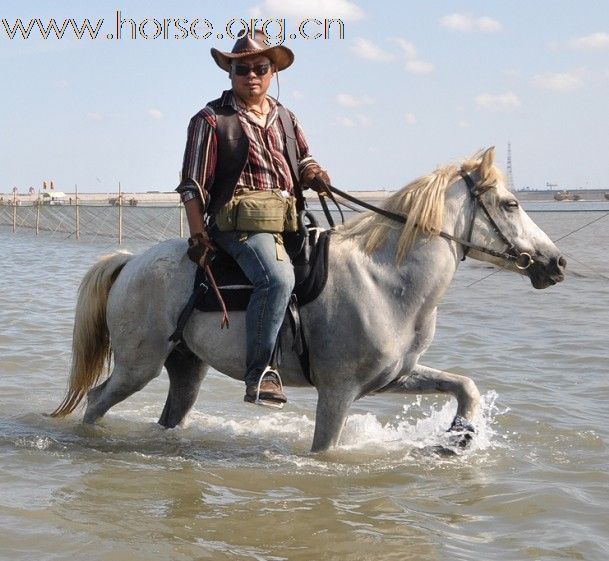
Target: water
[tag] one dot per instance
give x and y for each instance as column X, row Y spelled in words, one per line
column 238, row 481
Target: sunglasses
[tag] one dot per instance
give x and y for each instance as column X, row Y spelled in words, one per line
column 244, row 69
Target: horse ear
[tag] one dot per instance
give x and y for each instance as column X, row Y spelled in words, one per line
column 487, row 160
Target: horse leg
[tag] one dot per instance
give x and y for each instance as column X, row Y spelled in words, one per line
column 332, row 408
column 424, row 380
column 123, row 382
column 186, row 372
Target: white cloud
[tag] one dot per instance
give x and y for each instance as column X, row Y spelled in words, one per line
column 419, row 67
column 94, row 116
column 463, row 124
column 343, row 9
column 413, row 64
column 498, row 102
column 364, row 48
column 345, row 121
column 155, row 113
column 297, row 94
column 348, row 100
column 467, row 23
column 350, row 122
column 595, row 41
column 560, row 82
column 408, row 48
column 410, row 119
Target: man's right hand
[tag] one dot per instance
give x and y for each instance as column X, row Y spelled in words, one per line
column 199, row 246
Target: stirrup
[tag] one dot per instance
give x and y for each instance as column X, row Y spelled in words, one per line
column 265, row 402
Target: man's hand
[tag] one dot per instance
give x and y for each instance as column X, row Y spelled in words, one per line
column 315, row 177
column 199, row 246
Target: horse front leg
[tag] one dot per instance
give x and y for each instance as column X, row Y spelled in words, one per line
column 332, row 408
column 425, row 380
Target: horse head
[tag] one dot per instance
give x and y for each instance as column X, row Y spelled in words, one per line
column 471, row 206
column 500, row 224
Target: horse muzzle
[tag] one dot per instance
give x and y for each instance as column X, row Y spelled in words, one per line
column 546, row 272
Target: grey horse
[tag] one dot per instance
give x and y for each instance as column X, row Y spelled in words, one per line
column 366, row 331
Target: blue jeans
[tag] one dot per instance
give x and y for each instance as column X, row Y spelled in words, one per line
column 273, row 281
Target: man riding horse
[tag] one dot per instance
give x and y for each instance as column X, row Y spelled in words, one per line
column 240, row 145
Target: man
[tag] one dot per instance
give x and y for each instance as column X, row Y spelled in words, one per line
column 245, row 142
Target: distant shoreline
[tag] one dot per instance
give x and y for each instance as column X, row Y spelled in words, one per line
column 171, row 197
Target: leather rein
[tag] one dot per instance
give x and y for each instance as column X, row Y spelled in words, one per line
column 522, row 260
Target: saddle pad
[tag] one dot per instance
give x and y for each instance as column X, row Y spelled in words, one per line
column 236, row 288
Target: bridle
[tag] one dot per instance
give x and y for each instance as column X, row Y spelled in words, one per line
column 521, row 260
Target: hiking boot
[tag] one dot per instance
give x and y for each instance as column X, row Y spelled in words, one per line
column 268, row 391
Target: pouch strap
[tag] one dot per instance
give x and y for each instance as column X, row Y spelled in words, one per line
column 291, row 147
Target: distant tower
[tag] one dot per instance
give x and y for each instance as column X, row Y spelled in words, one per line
column 510, row 177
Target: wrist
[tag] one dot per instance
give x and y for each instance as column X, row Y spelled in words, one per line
column 196, row 238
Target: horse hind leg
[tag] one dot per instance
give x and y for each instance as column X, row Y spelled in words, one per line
column 186, row 372
column 122, row 383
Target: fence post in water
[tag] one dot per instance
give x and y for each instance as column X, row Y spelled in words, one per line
column 77, row 212
column 37, row 215
column 181, row 219
column 120, row 215
column 14, row 211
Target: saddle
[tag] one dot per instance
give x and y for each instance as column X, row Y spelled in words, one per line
column 308, row 251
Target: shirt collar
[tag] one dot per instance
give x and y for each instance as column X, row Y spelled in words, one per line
column 229, row 98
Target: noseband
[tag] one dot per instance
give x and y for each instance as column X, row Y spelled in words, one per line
column 522, row 260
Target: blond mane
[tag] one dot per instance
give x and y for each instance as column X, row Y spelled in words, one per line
column 422, row 201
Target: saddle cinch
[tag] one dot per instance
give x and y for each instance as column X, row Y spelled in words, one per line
column 308, row 251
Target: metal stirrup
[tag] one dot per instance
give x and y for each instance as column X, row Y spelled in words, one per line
column 264, row 373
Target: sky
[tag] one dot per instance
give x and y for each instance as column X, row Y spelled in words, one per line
column 409, row 86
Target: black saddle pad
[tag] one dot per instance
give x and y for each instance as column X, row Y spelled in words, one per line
column 310, row 269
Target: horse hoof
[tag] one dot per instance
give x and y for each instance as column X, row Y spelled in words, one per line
column 442, row 451
column 463, row 432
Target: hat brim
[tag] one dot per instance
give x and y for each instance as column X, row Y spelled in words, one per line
column 280, row 56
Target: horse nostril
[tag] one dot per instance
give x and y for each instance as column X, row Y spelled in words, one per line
column 562, row 262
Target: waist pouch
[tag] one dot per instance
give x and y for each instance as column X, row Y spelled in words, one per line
column 258, row 211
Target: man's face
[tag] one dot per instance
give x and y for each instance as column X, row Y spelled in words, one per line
column 250, row 85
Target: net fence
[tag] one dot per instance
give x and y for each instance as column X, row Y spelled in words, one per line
column 152, row 223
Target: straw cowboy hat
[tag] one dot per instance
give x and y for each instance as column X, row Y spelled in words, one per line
column 247, row 45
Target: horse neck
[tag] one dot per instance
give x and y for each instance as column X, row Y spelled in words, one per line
column 459, row 213
column 432, row 261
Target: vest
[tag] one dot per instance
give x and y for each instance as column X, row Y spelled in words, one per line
column 232, row 153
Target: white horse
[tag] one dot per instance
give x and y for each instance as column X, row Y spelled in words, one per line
column 366, row 331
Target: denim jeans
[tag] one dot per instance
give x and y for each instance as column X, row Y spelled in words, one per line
column 273, row 281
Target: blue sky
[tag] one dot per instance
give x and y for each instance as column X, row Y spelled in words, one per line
column 411, row 86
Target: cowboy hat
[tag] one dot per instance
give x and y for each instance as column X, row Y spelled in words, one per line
column 247, row 45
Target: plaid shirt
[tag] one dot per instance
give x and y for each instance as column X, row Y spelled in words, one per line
column 266, row 166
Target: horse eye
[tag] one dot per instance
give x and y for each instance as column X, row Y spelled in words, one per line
column 511, row 204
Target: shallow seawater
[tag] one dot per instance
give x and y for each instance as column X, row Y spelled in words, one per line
column 238, row 482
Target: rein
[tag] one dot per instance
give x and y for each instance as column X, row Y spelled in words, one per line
column 521, row 260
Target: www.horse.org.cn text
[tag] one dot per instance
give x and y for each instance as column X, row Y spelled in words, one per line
column 277, row 30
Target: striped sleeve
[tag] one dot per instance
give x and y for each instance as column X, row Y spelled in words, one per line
column 199, row 157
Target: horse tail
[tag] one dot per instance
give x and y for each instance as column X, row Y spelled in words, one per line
column 91, row 338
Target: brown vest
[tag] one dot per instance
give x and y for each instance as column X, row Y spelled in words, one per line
column 232, row 152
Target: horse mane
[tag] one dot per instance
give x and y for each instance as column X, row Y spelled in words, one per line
column 422, row 201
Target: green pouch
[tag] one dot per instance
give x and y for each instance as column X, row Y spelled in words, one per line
column 258, row 211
